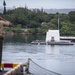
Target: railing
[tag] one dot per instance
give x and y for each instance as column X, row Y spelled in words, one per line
column 30, row 68
column 8, row 65
column 67, row 37
column 18, row 70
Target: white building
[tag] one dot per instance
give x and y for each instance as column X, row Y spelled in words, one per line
column 52, row 35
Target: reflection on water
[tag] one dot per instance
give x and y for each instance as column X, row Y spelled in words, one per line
column 22, row 38
column 57, row 58
column 52, row 49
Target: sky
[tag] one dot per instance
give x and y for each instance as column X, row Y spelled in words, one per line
column 46, row 4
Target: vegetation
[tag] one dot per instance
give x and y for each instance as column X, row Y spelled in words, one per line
column 37, row 21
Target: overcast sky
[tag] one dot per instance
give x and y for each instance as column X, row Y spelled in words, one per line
column 54, row 4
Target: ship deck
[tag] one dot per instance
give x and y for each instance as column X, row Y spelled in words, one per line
column 3, row 72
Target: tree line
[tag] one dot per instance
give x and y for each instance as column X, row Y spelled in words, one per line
column 38, row 21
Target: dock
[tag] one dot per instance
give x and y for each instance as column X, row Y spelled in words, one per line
column 64, row 40
column 61, row 42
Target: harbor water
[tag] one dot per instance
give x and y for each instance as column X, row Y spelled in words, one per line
column 57, row 58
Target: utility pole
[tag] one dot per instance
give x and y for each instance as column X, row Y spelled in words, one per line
column 58, row 22
column 4, row 4
column 7, row 23
column 1, row 44
column 1, row 37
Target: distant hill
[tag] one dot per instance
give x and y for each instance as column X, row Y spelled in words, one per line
column 1, row 9
column 47, row 10
column 58, row 10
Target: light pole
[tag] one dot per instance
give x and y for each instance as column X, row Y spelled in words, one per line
column 1, row 44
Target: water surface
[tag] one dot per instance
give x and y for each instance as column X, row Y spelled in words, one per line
column 57, row 58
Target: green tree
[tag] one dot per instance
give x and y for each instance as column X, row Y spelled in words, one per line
column 72, row 16
column 67, row 28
